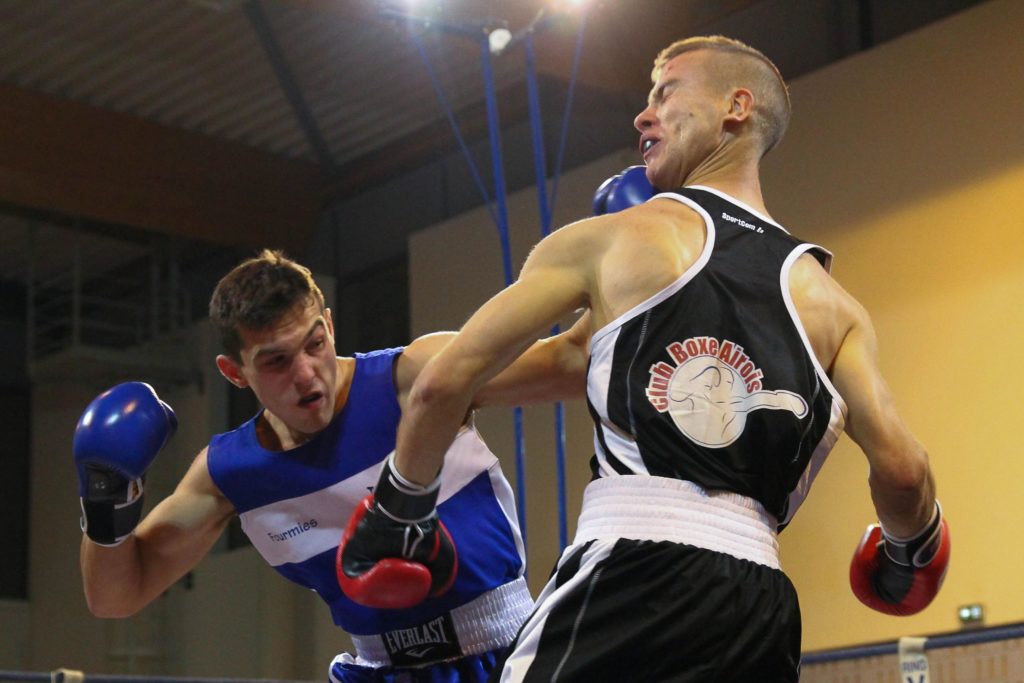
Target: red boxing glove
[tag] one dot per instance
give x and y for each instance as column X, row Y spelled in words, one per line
column 901, row 576
column 396, row 552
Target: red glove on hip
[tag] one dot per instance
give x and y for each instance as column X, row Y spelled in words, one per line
column 901, row 576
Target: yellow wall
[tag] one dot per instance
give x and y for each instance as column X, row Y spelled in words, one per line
column 943, row 278
column 908, row 162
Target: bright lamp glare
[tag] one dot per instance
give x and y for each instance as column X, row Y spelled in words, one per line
column 569, row 5
column 499, row 39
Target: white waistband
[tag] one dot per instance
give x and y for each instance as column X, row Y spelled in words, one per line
column 485, row 623
column 661, row 509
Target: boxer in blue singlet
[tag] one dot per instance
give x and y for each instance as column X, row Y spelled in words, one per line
column 295, row 472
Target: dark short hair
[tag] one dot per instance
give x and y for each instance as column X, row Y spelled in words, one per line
column 257, row 294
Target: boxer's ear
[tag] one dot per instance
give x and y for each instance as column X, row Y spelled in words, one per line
column 232, row 371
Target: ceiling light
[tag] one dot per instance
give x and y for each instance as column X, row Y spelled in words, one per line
column 498, row 39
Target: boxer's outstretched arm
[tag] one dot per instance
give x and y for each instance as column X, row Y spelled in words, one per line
column 552, row 369
column 171, row 540
column 554, row 281
column 902, row 487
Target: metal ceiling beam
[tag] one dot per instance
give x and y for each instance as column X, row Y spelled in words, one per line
column 293, row 93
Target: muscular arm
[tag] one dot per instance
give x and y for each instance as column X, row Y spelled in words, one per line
column 552, row 369
column 553, row 282
column 170, row 541
column 902, row 487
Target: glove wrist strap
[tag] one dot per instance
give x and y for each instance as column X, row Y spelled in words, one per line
column 111, row 506
column 920, row 549
column 403, row 500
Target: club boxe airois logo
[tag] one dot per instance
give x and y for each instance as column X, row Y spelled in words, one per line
column 708, row 386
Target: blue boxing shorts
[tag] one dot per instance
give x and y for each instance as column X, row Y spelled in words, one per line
column 469, row 669
column 464, row 645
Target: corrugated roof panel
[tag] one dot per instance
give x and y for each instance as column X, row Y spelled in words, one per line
column 211, row 88
column 50, row 57
column 177, row 63
column 333, row 60
column 29, row 45
column 358, row 130
column 124, row 41
column 277, row 133
column 160, row 95
column 83, row 78
column 151, row 97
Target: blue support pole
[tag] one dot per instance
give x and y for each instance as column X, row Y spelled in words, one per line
column 537, row 135
column 447, row 108
column 497, row 161
column 499, row 211
column 540, row 171
column 494, row 126
column 568, row 108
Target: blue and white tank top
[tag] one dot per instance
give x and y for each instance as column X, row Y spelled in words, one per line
column 294, row 504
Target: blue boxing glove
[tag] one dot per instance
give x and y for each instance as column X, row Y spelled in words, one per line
column 601, row 196
column 116, row 439
column 622, row 191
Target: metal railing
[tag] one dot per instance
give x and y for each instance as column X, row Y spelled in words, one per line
column 944, row 640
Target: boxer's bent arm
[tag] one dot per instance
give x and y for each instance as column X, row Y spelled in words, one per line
column 553, row 282
column 169, row 542
column 414, row 357
column 552, row 369
column 902, row 487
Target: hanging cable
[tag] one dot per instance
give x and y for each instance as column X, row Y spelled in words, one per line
column 494, row 127
column 446, row 107
column 498, row 209
column 540, row 171
column 568, row 108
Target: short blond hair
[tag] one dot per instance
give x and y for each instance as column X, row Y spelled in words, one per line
column 752, row 70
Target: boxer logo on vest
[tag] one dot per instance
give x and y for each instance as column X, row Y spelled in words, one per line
column 708, row 387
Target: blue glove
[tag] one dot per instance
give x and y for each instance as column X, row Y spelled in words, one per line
column 622, row 191
column 116, row 439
